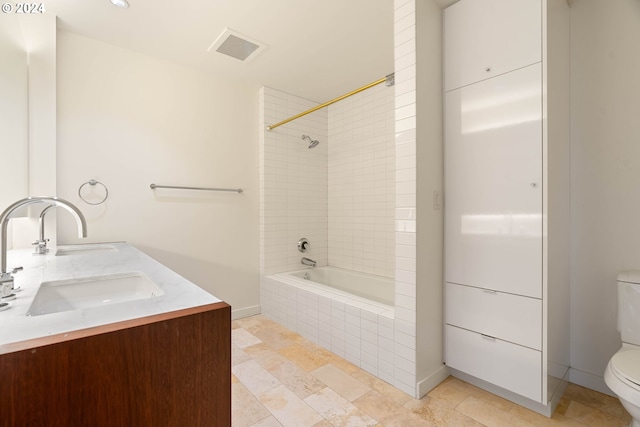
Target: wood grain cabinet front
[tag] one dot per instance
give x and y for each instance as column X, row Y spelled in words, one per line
column 172, row 369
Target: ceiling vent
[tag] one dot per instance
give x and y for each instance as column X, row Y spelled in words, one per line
column 236, row 45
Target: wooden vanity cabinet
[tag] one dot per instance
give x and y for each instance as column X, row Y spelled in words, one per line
column 172, row 369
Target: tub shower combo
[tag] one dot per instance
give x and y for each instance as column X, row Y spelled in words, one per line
column 312, row 290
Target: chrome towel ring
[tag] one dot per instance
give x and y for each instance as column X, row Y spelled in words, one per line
column 93, row 183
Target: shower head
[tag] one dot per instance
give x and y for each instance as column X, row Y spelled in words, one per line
column 312, row 142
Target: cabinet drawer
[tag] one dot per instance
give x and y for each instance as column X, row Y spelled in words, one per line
column 483, row 39
column 510, row 366
column 509, row 317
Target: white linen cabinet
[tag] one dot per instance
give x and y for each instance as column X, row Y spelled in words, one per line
column 507, row 206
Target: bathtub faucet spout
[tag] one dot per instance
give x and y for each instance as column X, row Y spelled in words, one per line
column 307, row 261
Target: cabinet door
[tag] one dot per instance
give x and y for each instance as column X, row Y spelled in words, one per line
column 483, row 39
column 493, row 173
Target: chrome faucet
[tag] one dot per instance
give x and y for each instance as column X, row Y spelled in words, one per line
column 6, row 277
column 307, row 261
column 41, row 243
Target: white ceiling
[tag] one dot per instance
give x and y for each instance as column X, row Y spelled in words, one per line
column 317, row 49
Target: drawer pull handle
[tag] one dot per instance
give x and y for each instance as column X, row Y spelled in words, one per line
column 488, row 337
column 489, row 291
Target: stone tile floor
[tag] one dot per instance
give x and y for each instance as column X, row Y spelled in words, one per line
column 282, row 379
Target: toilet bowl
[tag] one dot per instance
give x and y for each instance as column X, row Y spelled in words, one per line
column 623, row 371
column 623, row 378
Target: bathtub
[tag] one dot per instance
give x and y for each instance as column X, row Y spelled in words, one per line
column 367, row 286
column 349, row 313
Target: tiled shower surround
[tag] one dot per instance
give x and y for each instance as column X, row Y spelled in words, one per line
column 293, row 183
column 362, row 193
column 340, row 194
column 354, row 197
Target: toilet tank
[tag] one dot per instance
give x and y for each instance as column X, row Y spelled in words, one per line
column 629, row 306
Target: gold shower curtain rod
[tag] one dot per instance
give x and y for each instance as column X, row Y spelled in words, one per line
column 389, row 79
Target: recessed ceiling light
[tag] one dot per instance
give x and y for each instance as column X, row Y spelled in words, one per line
column 120, row 3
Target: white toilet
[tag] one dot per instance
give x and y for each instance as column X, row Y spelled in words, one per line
column 623, row 371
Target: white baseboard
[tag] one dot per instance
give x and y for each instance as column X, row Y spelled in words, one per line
column 426, row 385
column 546, row 410
column 240, row 313
column 589, row 380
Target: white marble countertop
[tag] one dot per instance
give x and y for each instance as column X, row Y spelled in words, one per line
column 16, row 326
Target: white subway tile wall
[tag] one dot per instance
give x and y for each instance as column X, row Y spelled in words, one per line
column 362, row 182
column 358, row 332
column 404, row 324
column 340, row 195
column 293, row 183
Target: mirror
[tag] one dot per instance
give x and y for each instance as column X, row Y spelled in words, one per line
column 14, row 112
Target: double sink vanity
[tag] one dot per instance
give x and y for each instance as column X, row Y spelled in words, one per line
column 99, row 334
column 102, row 334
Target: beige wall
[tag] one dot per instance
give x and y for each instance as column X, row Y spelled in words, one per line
column 13, row 111
column 605, row 66
column 39, row 33
column 430, row 170
column 128, row 120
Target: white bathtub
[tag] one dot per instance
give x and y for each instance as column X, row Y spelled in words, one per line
column 347, row 312
column 368, row 286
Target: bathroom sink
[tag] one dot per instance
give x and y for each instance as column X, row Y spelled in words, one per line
column 74, row 294
column 85, row 249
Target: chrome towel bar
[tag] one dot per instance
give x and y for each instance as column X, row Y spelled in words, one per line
column 235, row 190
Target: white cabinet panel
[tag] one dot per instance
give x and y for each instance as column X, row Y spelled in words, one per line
column 507, row 365
column 509, row 317
column 506, row 279
column 493, row 173
column 483, row 39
